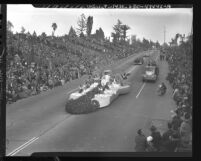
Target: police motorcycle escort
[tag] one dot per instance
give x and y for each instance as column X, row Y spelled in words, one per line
column 161, row 89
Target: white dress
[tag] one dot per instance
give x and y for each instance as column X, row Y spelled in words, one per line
column 105, row 79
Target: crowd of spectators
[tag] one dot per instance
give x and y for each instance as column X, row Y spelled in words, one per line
column 178, row 137
column 180, row 77
column 40, row 63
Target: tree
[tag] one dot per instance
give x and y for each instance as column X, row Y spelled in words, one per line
column 133, row 39
column 28, row 33
column 124, row 29
column 176, row 38
column 31, row 56
column 145, row 43
column 72, row 32
column 157, row 44
column 99, row 35
column 9, row 26
column 34, row 34
column 89, row 25
column 182, row 37
column 81, row 35
column 54, row 27
column 81, row 24
column 174, row 41
column 117, row 29
column 114, row 36
column 151, row 43
column 23, row 30
column 44, row 35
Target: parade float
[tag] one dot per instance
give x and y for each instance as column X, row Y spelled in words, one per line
column 97, row 93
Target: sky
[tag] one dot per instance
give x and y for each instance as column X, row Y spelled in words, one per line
column 144, row 23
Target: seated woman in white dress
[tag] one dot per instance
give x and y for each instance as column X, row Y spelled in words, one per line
column 105, row 79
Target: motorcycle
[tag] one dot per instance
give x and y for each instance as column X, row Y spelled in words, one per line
column 161, row 90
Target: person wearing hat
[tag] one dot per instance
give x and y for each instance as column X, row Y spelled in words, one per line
column 156, row 137
column 140, row 142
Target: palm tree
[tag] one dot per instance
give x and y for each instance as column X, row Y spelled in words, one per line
column 54, row 26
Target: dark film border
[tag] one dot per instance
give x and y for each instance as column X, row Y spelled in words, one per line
column 112, row 154
column 118, row 6
column 2, row 78
column 3, row 66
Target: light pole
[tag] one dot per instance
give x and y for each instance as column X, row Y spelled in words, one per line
column 164, row 34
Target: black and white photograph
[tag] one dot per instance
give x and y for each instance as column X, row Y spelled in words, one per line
column 98, row 79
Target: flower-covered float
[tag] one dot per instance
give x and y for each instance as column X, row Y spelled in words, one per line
column 97, row 92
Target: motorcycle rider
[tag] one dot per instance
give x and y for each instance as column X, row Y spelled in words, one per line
column 162, row 87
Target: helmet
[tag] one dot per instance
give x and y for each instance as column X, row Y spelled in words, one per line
column 149, row 138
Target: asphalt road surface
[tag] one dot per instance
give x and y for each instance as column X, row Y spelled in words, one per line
column 40, row 123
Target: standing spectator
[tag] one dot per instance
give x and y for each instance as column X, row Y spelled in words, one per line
column 150, row 146
column 166, row 142
column 140, row 142
column 176, row 120
column 185, row 129
column 174, row 143
column 156, row 137
column 175, row 94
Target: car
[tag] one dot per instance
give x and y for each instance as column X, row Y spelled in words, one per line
column 138, row 61
column 151, row 62
column 146, row 55
column 151, row 73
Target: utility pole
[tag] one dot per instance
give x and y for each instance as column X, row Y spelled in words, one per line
column 164, row 34
column 192, row 27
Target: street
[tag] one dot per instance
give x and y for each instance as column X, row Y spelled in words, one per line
column 41, row 124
